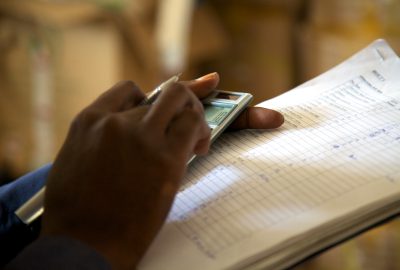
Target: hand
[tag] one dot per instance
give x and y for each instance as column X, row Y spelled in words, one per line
column 114, row 180
column 252, row 117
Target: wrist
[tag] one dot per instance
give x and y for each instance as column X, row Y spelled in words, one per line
column 119, row 255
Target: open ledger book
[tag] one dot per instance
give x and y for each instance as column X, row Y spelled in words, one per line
column 269, row 199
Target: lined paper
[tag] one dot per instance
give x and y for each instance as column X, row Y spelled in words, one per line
column 257, row 191
column 255, row 179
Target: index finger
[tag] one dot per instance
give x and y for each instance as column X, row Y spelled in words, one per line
column 169, row 104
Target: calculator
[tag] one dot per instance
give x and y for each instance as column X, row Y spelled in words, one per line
column 221, row 108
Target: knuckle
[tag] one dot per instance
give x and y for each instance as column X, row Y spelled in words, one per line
column 109, row 130
column 178, row 89
column 104, row 126
column 194, row 116
column 127, row 84
column 85, row 118
column 167, row 160
column 111, row 127
column 111, row 122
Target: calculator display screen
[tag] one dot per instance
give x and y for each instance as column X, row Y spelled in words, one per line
column 215, row 114
column 229, row 96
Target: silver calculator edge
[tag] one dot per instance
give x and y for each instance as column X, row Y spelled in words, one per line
column 241, row 103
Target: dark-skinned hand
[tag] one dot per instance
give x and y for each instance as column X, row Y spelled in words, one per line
column 115, row 178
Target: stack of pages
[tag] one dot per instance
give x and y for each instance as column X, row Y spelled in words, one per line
column 269, row 199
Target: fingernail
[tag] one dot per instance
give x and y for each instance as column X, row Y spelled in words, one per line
column 209, row 76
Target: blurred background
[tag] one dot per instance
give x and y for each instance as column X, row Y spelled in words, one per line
column 56, row 56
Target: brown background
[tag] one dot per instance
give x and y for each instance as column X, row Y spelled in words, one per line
column 57, row 56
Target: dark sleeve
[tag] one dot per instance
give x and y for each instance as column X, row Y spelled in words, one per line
column 15, row 235
column 58, row 253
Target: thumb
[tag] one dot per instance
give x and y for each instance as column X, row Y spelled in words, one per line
column 258, row 118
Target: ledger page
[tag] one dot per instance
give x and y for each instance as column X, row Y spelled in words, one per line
column 256, row 191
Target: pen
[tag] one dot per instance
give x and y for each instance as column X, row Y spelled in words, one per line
column 152, row 96
column 33, row 208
